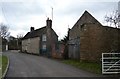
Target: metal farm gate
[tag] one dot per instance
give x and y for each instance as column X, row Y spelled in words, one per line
column 110, row 63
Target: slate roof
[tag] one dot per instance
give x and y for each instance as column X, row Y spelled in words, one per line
column 35, row 33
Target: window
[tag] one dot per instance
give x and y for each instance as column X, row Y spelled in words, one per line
column 44, row 46
column 44, row 37
column 83, row 27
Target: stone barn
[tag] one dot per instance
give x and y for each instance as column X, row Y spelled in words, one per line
column 88, row 39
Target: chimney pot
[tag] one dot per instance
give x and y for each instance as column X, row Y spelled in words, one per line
column 32, row 29
column 49, row 22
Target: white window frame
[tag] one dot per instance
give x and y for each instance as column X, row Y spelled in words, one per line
column 44, row 37
column 44, row 46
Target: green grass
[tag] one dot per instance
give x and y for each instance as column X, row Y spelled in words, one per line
column 0, row 66
column 88, row 66
column 3, row 64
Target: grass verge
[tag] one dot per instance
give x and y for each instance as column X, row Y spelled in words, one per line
column 4, row 60
column 88, row 66
column 0, row 66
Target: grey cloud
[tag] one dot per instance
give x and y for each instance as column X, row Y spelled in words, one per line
column 77, row 8
column 20, row 10
column 15, row 27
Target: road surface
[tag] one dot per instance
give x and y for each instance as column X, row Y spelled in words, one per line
column 26, row 65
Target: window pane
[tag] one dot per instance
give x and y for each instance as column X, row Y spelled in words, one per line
column 44, row 46
column 44, row 37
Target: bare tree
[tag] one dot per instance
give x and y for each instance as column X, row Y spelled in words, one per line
column 4, row 30
column 19, row 36
column 19, row 41
column 113, row 19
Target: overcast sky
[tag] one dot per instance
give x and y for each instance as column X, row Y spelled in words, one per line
column 20, row 15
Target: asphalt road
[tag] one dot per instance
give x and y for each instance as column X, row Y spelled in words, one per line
column 25, row 65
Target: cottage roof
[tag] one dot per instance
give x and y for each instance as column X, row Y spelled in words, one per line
column 35, row 33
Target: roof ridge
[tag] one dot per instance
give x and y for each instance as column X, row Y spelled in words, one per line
column 90, row 16
column 40, row 28
column 35, row 33
column 87, row 13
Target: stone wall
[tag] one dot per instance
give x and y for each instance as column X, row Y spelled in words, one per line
column 76, row 33
column 31, row 45
column 90, row 42
column 52, row 40
column 95, row 40
column 58, row 53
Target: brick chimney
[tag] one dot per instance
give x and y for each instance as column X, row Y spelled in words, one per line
column 31, row 29
column 49, row 23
